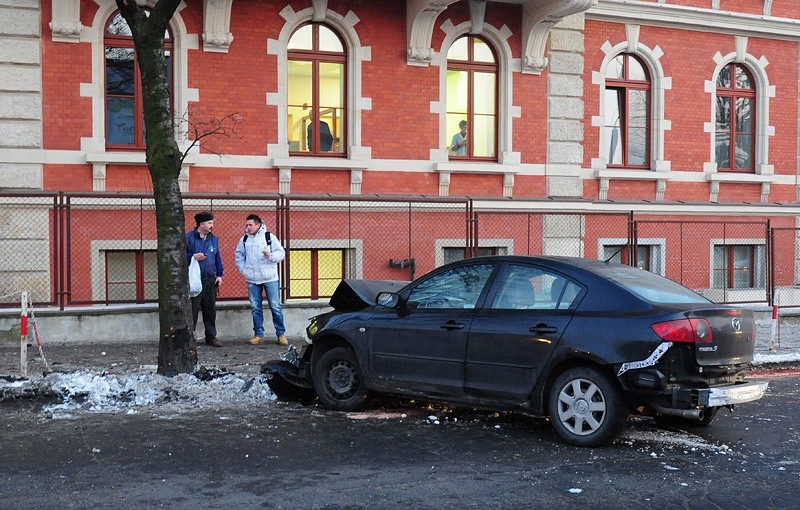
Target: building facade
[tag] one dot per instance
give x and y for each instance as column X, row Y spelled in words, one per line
column 680, row 110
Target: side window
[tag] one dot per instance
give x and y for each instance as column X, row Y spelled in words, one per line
column 626, row 118
column 457, row 288
column 735, row 132
column 531, row 288
column 316, row 91
column 472, row 99
column 123, row 85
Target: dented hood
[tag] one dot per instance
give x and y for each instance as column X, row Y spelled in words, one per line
column 358, row 294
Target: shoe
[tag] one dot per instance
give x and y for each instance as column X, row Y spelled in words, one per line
column 282, row 340
column 213, row 342
column 255, row 340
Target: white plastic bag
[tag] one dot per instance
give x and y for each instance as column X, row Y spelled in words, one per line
column 195, row 282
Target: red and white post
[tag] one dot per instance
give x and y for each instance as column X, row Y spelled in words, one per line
column 23, row 335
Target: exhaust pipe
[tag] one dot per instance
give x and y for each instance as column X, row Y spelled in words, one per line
column 689, row 414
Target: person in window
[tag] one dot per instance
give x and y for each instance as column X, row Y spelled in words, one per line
column 325, row 137
column 458, row 147
column 203, row 245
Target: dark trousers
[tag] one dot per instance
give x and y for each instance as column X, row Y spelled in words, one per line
column 207, row 302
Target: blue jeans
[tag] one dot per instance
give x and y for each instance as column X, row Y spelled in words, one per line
column 273, row 290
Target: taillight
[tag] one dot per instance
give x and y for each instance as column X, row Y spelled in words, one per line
column 684, row 330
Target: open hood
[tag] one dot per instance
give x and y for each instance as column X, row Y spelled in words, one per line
column 358, row 294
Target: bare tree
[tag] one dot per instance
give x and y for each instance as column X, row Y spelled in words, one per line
column 177, row 350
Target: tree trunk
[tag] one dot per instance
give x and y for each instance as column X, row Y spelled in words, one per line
column 177, row 351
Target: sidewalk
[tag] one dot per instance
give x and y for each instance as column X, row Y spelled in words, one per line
column 125, row 358
column 244, row 359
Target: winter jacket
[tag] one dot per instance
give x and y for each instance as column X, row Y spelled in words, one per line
column 211, row 267
column 250, row 258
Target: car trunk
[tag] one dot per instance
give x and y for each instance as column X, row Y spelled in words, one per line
column 733, row 337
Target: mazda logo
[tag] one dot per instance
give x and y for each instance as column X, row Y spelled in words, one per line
column 736, row 323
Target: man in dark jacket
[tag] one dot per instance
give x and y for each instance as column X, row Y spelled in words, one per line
column 203, row 246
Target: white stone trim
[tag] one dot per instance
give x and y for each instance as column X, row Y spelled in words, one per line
column 666, row 14
column 65, row 23
column 657, row 260
column 98, row 247
column 356, row 103
column 182, row 41
column 421, row 17
column 538, row 18
column 764, row 172
column 659, row 167
column 217, row 36
column 505, row 245
column 498, row 38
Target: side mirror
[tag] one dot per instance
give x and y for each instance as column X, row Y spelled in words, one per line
column 387, row 299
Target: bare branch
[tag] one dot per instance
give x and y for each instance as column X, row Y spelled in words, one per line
column 200, row 126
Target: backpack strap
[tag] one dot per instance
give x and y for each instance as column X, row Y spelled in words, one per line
column 267, row 237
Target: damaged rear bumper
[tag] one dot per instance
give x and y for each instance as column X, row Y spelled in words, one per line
column 719, row 396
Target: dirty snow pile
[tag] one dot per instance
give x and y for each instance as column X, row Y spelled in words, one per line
column 90, row 391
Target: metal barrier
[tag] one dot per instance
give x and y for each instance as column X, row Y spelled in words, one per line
column 69, row 249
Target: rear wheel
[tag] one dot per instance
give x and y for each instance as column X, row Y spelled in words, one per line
column 338, row 380
column 586, row 408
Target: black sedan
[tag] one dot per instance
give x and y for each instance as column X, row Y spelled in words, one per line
column 582, row 341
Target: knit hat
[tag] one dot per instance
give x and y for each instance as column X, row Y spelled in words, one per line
column 203, row 216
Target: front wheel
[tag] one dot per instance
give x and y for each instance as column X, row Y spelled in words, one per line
column 586, row 408
column 338, row 380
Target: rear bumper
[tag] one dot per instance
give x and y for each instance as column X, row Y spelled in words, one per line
column 735, row 394
column 731, row 394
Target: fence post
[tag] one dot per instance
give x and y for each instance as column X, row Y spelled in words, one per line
column 23, row 335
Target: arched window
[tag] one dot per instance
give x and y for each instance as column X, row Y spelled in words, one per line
column 472, row 99
column 735, row 132
column 626, row 112
column 316, row 61
column 123, row 85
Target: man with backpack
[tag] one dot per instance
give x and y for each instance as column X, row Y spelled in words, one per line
column 257, row 255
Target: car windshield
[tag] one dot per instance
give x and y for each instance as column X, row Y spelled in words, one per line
column 650, row 286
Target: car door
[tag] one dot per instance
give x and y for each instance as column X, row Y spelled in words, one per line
column 420, row 345
column 514, row 335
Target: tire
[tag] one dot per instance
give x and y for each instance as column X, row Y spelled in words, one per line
column 586, row 408
column 289, row 391
column 338, row 380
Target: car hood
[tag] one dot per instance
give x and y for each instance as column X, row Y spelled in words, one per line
column 358, row 294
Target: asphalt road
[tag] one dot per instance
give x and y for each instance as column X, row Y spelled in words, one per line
column 394, row 455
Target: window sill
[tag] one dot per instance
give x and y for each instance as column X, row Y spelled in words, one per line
column 319, row 162
column 740, row 177
column 476, row 167
column 632, row 175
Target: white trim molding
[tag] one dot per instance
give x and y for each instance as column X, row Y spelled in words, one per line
column 764, row 172
column 95, row 146
column 538, row 17
column 659, row 167
column 65, row 22
column 356, row 103
column 217, row 36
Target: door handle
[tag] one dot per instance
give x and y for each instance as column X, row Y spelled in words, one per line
column 452, row 325
column 543, row 329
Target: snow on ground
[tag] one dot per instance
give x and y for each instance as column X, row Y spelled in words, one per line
column 760, row 358
column 88, row 391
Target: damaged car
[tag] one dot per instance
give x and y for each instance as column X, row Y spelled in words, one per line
column 584, row 342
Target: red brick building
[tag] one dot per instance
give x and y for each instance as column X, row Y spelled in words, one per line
column 678, row 110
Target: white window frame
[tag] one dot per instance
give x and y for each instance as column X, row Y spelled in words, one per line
column 651, row 57
column 504, row 247
column 658, row 249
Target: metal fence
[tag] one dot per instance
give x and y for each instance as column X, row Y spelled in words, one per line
column 70, row 249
